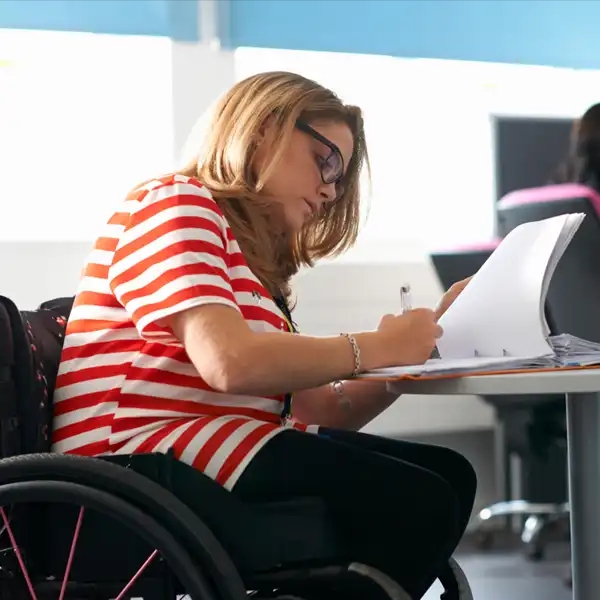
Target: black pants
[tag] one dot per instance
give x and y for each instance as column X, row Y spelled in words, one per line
column 400, row 507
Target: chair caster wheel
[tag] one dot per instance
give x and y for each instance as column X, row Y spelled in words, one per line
column 535, row 554
column 484, row 540
column 568, row 580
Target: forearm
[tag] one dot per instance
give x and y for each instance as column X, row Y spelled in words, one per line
column 275, row 363
column 361, row 403
column 232, row 358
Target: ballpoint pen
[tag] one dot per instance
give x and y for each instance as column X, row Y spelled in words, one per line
column 405, row 301
column 406, row 305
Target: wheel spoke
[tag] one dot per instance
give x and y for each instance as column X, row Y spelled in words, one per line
column 63, row 588
column 121, row 596
column 15, row 547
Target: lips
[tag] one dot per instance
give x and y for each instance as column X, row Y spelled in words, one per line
column 312, row 209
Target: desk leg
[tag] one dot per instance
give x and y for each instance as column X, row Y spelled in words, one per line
column 583, row 431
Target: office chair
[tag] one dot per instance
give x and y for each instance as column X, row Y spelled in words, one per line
column 528, row 426
column 455, row 264
column 574, row 293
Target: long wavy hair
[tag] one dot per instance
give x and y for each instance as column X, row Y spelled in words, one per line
column 225, row 159
column 583, row 161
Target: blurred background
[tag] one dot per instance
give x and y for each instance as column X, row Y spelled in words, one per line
column 464, row 101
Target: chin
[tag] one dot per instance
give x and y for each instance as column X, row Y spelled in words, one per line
column 294, row 223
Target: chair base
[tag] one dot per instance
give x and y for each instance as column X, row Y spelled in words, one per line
column 540, row 516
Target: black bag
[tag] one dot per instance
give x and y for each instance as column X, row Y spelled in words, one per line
column 30, row 347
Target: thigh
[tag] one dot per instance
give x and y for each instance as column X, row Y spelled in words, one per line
column 448, row 464
column 451, row 466
column 352, row 477
column 388, row 513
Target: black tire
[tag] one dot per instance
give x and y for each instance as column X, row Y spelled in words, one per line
column 178, row 558
column 464, row 589
column 153, row 499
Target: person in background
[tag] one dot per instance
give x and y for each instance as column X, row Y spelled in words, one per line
column 583, row 161
column 181, row 337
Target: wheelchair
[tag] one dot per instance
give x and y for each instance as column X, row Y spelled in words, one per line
column 146, row 526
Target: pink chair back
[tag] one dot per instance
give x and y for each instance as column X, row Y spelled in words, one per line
column 480, row 246
column 550, row 193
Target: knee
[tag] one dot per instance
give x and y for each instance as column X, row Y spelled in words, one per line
column 461, row 476
column 445, row 509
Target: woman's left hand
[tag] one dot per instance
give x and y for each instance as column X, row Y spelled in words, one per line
column 450, row 296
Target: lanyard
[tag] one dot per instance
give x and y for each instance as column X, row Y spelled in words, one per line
column 286, row 413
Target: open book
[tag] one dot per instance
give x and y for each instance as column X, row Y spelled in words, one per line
column 498, row 321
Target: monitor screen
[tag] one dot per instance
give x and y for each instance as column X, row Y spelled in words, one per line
column 528, row 150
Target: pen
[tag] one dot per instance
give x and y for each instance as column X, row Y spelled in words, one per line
column 405, row 302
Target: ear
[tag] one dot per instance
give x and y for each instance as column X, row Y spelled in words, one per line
column 265, row 129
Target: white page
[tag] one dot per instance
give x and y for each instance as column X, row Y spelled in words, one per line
column 572, row 224
column 499, row 311
column 447, row 365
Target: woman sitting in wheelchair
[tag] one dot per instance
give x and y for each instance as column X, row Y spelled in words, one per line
column 181, row 338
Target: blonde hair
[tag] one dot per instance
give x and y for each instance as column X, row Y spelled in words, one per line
column 225, row 162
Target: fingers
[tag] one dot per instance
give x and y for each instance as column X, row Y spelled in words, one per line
column 423, row 312
column 429, row 315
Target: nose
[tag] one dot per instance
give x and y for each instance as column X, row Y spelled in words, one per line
column 328, row 193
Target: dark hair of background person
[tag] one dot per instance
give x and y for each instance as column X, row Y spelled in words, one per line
column 583, row 161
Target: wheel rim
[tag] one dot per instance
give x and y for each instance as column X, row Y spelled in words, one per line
column 90, row 500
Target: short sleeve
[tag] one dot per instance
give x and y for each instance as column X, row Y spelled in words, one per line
column 172, row 255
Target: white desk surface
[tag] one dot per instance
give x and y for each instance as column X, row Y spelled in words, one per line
column 549, row 382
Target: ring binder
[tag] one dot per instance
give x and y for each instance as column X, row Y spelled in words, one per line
column 478, row 354
column 482, row 324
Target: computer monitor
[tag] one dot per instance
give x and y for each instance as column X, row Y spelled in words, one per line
column 528, row 150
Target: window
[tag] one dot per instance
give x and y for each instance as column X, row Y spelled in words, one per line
column 83, row 118
column 428, row 126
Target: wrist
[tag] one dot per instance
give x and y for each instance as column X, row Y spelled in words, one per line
column 372, row 350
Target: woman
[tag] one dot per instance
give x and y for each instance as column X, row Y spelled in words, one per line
column 180, row 337
column 583, row 162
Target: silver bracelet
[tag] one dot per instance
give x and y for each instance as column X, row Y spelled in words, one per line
column 338, row 388
column 355, row 351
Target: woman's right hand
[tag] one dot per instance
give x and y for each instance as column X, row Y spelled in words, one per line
column 408, row 339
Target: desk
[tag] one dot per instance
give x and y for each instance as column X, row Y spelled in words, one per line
column 583, row 431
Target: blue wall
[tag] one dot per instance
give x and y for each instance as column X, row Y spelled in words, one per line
column 177, row 19
column 545, row 32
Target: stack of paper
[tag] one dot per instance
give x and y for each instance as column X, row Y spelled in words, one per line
column 498, row 322
column 570, row 350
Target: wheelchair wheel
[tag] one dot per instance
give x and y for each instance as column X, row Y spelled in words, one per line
column 462, row 583
column 22, row 579
column 210, row 558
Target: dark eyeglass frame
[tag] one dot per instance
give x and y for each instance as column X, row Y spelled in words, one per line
column 306, row 128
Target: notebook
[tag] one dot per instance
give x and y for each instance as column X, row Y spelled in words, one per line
column 498, row 323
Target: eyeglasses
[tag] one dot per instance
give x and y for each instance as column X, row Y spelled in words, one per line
column 332, row 167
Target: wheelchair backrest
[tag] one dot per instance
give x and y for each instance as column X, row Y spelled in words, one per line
column 30, row 348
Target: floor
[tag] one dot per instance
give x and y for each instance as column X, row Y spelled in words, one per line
column 507, row 574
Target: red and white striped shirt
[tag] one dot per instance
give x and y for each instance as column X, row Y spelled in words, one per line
column 125, row 383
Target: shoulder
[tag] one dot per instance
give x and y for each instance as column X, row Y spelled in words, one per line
column 178, row 195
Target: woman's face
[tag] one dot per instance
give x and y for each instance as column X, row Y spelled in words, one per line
column 307, row 178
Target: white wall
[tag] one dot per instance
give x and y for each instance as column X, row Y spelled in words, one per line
column 83, row 118
column 32, row 272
